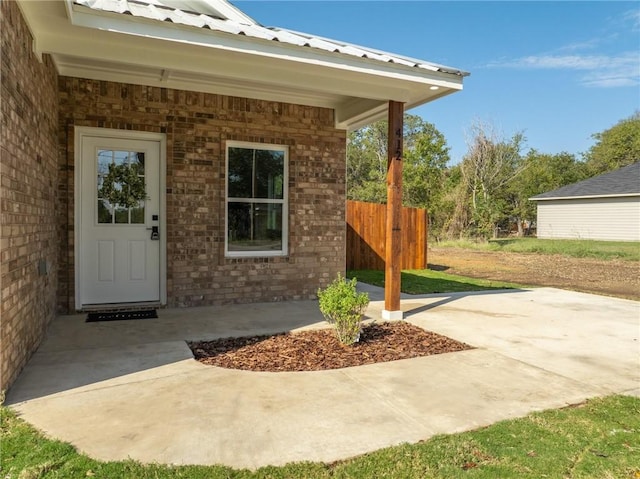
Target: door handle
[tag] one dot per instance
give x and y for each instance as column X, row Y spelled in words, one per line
column 155, row 234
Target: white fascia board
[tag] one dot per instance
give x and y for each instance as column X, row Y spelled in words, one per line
column 139, row 26
column 357, row 113
column 150, row 53
column 585, row 197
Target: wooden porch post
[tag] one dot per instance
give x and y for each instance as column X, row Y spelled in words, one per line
column 393, row 240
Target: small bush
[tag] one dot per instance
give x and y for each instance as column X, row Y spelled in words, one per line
column 342, row 306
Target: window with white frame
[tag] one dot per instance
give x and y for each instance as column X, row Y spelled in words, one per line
column 256, row 197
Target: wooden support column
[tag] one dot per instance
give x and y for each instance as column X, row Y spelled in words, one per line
column 393, row 240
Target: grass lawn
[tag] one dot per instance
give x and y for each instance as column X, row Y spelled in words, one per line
column 575, row 248
column 599, row 439
column 426, row 281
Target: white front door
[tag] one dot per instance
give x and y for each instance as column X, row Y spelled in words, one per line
column 119, row 256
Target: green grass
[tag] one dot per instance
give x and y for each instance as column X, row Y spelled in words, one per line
column 426, row 281
column 600, row 439
column 574, row 248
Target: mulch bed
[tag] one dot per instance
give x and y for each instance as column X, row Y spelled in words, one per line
column 320, row 349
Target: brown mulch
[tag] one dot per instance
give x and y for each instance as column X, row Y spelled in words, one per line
column 320, row 349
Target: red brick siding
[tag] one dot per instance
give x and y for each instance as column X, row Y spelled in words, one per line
column 28, row 178
column 197, row 126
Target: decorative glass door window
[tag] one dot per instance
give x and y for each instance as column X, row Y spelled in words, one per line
column 256, row 200
column 114, row 168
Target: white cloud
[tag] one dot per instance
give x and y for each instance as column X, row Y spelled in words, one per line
column 633, row 17
column 601, row 71
column 598, row 70
column 572, row 62
column 612, row 78
column 586, row 45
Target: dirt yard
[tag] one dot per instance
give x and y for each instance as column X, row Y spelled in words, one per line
column 608, row 277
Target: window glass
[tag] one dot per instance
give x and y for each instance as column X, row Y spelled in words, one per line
column 254, row 227
column 108, row 213
column 122, row 215
column 104, row 212
column 240, row 172
column 256, row 200
column 269, row 173
column 137, row 214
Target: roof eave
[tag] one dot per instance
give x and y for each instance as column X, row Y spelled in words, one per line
column 187, row 35
column 585, row 197
column 98, row 45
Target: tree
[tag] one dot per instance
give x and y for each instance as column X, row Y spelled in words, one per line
column 454, row 214
column 425, row 162
column 426, row 155
column 616, row 147
column 490, row 163
column 541, row 172
column 367, row 164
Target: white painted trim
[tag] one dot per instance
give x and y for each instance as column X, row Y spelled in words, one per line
column 167, row 31
column 80, row 132
column 101, row 45
column 113, row 50
column 392, row 315
column 34, row 38
column 284, row 203
column 199, row 82
column 584, row 197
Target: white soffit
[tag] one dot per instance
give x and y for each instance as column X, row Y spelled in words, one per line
column 210, row 46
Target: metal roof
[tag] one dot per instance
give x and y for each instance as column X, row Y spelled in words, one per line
column 221, row 16
column 622, row 182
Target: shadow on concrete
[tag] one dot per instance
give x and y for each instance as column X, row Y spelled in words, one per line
column 79, row 356
column 450, row 297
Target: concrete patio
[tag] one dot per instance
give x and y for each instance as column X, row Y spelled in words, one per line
column 131, row 389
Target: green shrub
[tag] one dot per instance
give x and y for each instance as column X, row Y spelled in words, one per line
column 342, row 306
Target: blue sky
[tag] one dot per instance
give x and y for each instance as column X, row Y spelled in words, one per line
column 558, row 71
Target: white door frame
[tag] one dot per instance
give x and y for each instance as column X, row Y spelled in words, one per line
column 84, row 131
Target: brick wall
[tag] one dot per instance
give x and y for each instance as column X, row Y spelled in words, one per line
column 197, row 126
column 28, row 178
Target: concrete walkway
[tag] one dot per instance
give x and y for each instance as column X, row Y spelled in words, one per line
column 131, row 388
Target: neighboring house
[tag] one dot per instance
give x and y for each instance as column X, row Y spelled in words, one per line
column 605, row 207
column 236, row 131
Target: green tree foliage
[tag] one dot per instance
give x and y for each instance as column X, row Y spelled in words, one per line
column 616, row 147
column 540, row 173
column 367, row 163
column 492, row 185
column 452, row 215
column 425, row 162
column 489, row 166
column 425, row 157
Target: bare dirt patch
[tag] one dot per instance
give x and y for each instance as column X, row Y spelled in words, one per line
column 608, row 277
column 320, row 349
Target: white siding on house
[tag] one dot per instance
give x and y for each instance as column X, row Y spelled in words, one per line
column 590, row 218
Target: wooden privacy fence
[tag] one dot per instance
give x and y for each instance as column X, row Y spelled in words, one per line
column 366, row 225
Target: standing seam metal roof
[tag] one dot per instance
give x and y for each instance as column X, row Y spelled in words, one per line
column 155, row 10
column 624, row 181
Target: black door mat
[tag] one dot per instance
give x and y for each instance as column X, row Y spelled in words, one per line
column 121, row 315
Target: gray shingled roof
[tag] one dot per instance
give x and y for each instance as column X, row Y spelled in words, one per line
column 622, row 182
column 167, row 11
